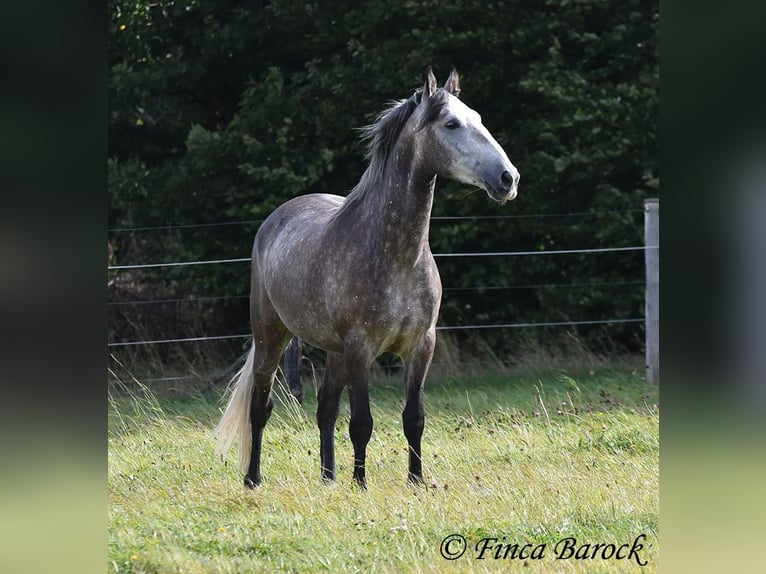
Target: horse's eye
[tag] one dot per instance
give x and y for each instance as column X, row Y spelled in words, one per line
column 452, row 124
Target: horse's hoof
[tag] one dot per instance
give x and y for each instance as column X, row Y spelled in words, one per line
column 360, row 482
column 415, row 479
column 250, row 483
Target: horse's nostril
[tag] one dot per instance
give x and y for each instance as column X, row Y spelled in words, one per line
column 506, row 179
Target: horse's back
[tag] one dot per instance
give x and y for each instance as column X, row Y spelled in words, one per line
column 295, row 224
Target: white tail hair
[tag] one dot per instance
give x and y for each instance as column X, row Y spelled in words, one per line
column 236, row 417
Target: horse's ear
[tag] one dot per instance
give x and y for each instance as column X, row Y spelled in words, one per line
column 452, row 85
column 430, row 86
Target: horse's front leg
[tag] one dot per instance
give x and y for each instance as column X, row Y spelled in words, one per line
column 416, row 366
column 357, row 365
column 327, row 412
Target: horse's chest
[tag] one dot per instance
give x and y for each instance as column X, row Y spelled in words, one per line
column 390, row 306
column 412, row 298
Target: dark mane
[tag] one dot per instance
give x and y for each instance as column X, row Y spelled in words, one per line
column 382, row 135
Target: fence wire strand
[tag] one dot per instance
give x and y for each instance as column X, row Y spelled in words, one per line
column 433, row 218
column 469, row 254
column 438, row 328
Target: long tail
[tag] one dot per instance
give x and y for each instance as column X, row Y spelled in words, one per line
column 236, row 417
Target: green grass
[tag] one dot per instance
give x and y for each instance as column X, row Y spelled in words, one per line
column 524, row 457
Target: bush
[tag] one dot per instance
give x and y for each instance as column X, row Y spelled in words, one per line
column 220, row 113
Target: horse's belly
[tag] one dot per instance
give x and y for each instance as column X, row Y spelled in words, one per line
column 311, row 323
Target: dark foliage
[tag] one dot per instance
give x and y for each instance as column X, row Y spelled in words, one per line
column 220, row 111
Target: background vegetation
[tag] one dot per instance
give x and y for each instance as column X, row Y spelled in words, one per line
column 221, row 110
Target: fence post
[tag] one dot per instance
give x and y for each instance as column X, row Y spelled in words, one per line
column 652, row 301
column 292, row 367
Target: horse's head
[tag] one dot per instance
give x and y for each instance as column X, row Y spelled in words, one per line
column 457, row 144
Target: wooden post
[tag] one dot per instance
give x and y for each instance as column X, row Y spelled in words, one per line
column 652, row 302
column 292, row 368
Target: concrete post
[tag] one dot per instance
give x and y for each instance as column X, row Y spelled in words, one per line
column 652, row 302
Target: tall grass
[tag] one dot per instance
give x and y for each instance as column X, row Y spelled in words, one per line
column 523, row 455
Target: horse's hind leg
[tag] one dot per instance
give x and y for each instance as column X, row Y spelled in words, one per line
column 270, row 337
column 327, row 412
column 416, row 366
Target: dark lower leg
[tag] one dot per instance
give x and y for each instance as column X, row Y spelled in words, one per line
column 413, row 421
column 327, row 414
column 413, row 415
column 260, row 411
column 360, row 431
column 253, row 476
column 270, row 337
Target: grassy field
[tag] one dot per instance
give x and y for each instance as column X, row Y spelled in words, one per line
column 511, row 458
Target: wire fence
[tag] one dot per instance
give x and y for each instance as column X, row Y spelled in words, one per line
column 438, row 328
column 433, row 218
column 316, row 370
column 476, row 288
column 226, row 373
column 436, row 255
column 480, row 288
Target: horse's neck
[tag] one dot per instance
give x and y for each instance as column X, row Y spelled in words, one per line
column 403, row 206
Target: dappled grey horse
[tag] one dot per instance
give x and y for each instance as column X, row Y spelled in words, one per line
column 355, row 276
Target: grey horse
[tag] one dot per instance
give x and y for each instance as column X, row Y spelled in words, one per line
column 355, row 275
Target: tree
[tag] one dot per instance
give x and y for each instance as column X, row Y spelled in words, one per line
column 221, row 111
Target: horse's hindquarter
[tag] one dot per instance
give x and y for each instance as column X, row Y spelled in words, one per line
column 286, row 270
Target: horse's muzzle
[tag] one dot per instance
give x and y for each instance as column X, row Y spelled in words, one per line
column 504, row 188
